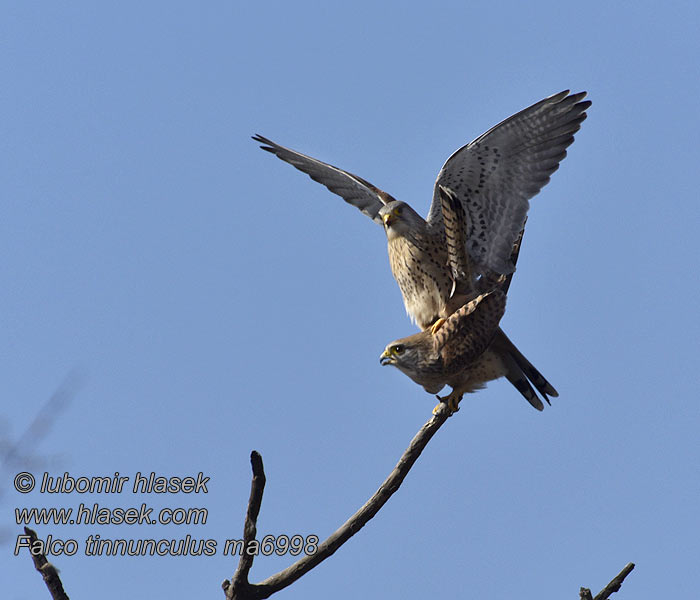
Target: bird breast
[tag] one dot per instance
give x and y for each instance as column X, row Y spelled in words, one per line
column 421, row 271
column 428, row 372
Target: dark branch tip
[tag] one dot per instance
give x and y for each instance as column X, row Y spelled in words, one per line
column 257, row 463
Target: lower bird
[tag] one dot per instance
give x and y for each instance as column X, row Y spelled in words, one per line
column 457, row 354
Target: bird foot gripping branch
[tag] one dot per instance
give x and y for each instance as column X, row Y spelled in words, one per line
column 452, row 401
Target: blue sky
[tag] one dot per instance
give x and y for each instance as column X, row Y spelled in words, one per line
column 214, row 300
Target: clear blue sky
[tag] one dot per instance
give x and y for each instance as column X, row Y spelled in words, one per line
column 218, row 301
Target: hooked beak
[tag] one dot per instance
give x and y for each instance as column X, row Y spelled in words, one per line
column 386, row 358
column 389, row 218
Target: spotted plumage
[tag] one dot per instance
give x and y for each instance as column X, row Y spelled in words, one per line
column 419, row 264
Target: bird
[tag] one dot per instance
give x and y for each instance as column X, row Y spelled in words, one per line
column 493, row 178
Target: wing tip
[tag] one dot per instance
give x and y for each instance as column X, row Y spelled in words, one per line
column 574, row 101
column 269, row 144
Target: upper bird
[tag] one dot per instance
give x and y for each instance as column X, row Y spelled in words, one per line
column 493, row 177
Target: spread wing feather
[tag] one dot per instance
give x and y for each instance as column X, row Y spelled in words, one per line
column 353, row 189
column 495, row 176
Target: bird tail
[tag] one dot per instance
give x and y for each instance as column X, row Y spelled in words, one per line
column 521, row 372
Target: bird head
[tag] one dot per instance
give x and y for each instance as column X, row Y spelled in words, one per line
column 392, row 354
column 399, row 218
column 416, row 357
column 409, row 355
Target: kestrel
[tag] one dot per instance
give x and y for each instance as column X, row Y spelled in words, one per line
column 458, row 354
column 493, row 178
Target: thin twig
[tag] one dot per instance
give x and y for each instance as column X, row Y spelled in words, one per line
column 615, row 584
column 326, row 548
column 238, row 587
column 585, row 594
column 47, row 570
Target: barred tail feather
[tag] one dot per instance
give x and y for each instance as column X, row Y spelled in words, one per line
column 521, row 372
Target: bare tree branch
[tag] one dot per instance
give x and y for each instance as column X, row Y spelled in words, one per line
column 47, row 570
column 240, row 589
column 615, row 584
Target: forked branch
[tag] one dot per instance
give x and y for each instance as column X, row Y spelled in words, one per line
column 240, row 589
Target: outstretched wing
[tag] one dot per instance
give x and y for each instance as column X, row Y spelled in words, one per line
column 469, row 331
column 353, row 189
column 495, row 175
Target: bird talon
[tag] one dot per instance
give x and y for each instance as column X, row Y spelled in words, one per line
column 452, row 401
column 436, row 326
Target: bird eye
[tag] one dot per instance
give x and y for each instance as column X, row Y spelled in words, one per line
column 398, row 349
